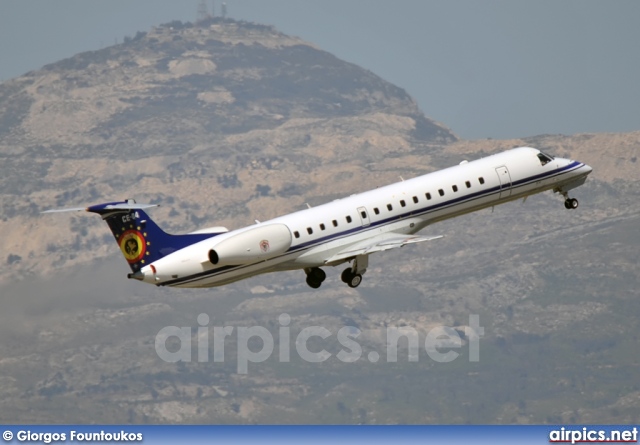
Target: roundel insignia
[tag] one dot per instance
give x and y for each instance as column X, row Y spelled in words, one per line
column 133, row 245
column 264, row 245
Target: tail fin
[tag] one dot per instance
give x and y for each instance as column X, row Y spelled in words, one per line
column 139, row 238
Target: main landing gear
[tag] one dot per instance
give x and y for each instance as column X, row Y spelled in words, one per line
column 315, row 277
column 352, row 279
column 351, row 275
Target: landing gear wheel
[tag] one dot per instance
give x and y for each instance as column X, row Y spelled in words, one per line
column 571, row 203
column 315, row 277
column 355, row 280
column 353, row 275
column 313, row 283
column 318, row 274
column 346, row 275
column 352, row 279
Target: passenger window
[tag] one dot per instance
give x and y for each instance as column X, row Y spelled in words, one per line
column 481, row 180
column 455, row 188
column 322, row 226
column 363, row 214
column 389, row 207
column 415, row 199
column 468, row 184
column 402, row 203
column 335, row 223
column 309, row 230
column 376, row 211
column 441, row 192
column 296, row 234
column 428, row 195
column 348, row 219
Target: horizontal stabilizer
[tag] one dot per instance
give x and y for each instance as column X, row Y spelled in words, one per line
column 74, row 209
column 129, row 204
column 379, row 244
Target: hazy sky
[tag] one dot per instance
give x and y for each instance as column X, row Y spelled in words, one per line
column 484, row 68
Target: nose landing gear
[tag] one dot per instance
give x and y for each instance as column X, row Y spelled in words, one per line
column 571, row 203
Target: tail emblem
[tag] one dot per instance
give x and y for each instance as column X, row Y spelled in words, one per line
column 133, row 245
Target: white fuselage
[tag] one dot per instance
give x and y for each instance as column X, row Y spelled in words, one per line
column 318, row 233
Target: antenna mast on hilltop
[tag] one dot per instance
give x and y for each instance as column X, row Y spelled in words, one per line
column 223, row 11
column 203, row 13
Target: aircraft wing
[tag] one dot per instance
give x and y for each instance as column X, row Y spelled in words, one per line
column 380, row 243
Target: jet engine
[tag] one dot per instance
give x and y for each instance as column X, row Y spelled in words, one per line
column 251, row 246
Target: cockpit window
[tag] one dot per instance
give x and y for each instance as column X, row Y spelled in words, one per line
column 544, row 158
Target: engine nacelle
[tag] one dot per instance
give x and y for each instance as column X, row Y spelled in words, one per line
column 253, row 245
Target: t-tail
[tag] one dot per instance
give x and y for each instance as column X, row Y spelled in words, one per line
column 140, row 239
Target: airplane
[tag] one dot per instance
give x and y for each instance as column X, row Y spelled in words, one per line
column 346, row 230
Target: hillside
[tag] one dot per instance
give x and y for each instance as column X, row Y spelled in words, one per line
column 227, row 122
column 211, row 107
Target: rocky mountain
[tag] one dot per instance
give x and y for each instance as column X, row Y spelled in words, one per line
column 224, row 122
column 212, row 107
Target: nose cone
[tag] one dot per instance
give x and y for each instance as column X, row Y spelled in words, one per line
column 575, row 166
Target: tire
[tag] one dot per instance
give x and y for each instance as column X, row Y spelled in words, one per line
column 346, row 275
column 567, row 204
column 355, row 280
column 318, row 274
column 313, row 283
